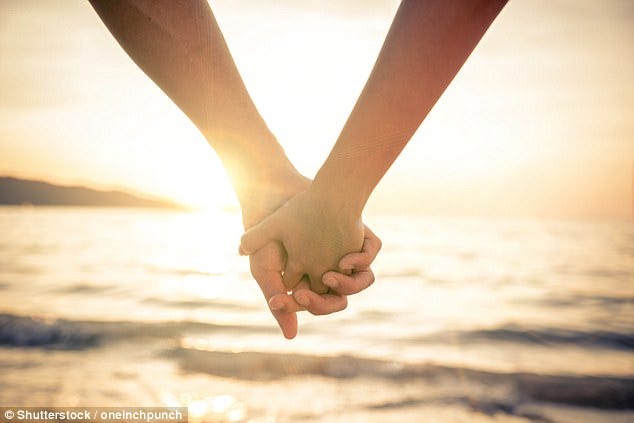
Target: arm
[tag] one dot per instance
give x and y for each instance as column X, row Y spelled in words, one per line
column 181, row 48
column 426, row 46
column 179, row 45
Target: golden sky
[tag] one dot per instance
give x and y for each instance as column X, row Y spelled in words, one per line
column 538, row 123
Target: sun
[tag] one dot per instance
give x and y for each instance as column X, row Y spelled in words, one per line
column 181, row 165
column 204, row 188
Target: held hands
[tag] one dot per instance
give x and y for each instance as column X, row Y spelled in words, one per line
column 314, row 234
column 267, row 265
column 318, row 251
column 353, row 276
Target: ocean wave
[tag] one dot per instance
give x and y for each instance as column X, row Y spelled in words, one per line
column 38, row 332
column 19, row 331
column 588, row 391
column 197, row 303
column 82, row 288
column 33, row 332
column 579, row 300
column 179, row 271
column 510, row 406
column 610, row 273
column 539, row 336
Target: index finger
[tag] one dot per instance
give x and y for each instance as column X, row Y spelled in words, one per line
column 269, row 280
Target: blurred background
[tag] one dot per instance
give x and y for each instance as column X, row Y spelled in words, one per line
column 505, row 286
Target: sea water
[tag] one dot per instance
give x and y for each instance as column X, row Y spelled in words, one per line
column 468, row 320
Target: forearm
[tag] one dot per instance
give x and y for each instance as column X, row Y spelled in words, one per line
column 180, row 46
column 426, row 46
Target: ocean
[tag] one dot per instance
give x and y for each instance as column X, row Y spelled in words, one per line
column 469, row 320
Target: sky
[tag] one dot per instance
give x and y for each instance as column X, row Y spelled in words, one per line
column 538, row 123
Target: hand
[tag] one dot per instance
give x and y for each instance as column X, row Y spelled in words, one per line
column 266, row 267
column 339, row 282
column 268, row 263
column 315, row 233
column 258, row 200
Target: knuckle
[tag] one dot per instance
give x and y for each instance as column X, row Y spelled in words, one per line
column 371, row 277
column 344, row 304
column 365, row 263
column 348, row 286
column 329, row 308
column 318, row 287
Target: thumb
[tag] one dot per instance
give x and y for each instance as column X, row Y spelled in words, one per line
column 258, row 236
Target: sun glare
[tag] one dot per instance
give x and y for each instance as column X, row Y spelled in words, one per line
column 211, row 193
column 89, row 116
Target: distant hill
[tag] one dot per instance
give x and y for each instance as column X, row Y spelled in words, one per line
column 15, row 191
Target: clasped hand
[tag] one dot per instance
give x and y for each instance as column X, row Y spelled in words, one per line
column 308, row 254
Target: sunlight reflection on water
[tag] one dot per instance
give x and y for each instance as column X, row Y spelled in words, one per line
column 107, row 306
column 454, row 290
column 221, row 408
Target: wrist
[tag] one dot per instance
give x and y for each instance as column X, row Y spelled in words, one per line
column 265, row 191
column 339, row 192
column 261, row 174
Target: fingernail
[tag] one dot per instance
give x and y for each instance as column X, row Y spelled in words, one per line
column 331, row 281
column 302, row 299
column 275, row 304
column 242, row 251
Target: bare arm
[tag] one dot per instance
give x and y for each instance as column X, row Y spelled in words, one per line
column 180, row 46
column 426, row 46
